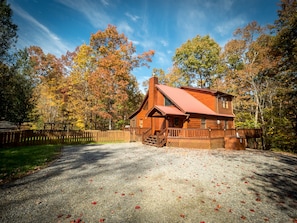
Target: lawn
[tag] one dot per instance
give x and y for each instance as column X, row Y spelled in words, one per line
column 19, row 161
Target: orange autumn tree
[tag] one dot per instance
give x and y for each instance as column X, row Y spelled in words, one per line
column 101, row 83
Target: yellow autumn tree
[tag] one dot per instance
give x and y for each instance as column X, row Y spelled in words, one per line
column 101, row 80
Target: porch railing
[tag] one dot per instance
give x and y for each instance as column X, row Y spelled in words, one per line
column 212, row 133
column 146, row 134
column 161, row 137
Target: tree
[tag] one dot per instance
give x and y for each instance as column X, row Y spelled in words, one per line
column 199, row 61
column 162, row 78
column 249, row 67
column 102, row 73
column 285, row 47
column 50, row 86
column 16, row 102
column 8, row 30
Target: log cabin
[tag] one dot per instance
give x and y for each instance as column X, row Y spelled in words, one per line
column 186, row 116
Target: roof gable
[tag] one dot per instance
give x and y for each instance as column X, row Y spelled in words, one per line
column 165, row 110
column 140, row 107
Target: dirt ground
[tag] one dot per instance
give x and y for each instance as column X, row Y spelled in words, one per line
column 130, row 182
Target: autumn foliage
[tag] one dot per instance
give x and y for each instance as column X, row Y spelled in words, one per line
column 91, row 88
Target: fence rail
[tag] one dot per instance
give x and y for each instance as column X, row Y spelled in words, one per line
column 212, row 133
column 41, row 137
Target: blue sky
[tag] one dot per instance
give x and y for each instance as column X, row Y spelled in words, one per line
column 161, row 25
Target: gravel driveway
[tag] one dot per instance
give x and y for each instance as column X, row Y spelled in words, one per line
column 130, row 182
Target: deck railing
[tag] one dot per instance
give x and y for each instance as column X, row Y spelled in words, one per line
column 212, row 133
column 146, row 134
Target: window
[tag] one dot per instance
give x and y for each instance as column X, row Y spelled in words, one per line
column 203, row 123
column 226, row 124
column 167, row 102
column 225, row 102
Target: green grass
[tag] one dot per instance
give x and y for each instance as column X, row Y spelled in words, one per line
column 19, row 161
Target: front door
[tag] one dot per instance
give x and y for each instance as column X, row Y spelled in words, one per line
column 175, row 122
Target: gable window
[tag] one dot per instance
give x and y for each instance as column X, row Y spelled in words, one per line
column 225, row 102
column 167, row 102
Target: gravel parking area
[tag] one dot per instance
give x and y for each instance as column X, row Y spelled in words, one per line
column 130, row 182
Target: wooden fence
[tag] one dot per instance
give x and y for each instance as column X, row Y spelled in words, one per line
column 42, row 137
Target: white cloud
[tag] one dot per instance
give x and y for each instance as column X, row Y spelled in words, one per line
column 105, row 2
column 164, row 43
column 123, row 27
column 163, row 59
column 38, row 34
column 134, row 18
column 91, row 10
column 229, row 26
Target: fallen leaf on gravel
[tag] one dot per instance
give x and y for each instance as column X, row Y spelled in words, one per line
column 243, row 217
column 102, row 220
column 137, row 207
column 202, row 221
column 182, row 215
column 252, row 210
column 230, row 210
column 68, row 216
column 243, row 202
column 94, row 202
column 60, row 216
column 267, row 219
column 122, row 195
column 258, row 199
column 295, row 220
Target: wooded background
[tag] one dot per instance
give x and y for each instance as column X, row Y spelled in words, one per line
column 94, row 88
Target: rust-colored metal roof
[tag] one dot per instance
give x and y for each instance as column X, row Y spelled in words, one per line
column 165, row 110
column 184, row 101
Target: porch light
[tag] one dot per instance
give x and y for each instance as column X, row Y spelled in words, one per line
column 218, row 121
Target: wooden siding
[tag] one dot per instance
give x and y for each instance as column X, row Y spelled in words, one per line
column 207, row 99
column 225, row 110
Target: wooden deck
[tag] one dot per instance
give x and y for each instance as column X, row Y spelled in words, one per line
column 204, row 138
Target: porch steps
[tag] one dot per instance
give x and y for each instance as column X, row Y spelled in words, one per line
column 151, row 140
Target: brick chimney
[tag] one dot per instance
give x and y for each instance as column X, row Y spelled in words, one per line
column 152, row 91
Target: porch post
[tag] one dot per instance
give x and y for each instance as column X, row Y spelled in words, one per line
column 167, row 125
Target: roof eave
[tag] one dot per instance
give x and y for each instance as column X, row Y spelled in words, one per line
column 140, row 107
